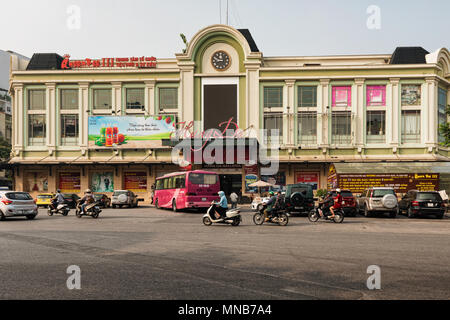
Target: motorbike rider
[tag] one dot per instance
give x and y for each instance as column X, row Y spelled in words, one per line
column 86, row 200
column 337, row 203
column 57, row 200
column 222, row 205
column 270, row 205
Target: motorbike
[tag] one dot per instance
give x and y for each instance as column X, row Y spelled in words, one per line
column 276, row 216
column 232, row 217
column 92, row 210
column 62, row 209
column 314, row 215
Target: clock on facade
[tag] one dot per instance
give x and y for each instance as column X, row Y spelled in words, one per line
column 221, row 61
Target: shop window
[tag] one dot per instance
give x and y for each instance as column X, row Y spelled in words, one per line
column 376, row 127
column 341, row 130
column 36, row 99
column 342, row 96
column 69, row 129
column 273, row 97
column 36, row 129
column 442, row 115
column 411, row 95
column 273, row 127
column 102, row 99
column 69, row 99
column 307, row 97
column 102, row 182
column 376, row 96
column 70, row 182
column 168, row 98
column 411, row 126
column 135, row 99
column 307, row 128
column 136, row 181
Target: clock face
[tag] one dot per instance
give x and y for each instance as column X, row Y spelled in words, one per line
column 221, row 60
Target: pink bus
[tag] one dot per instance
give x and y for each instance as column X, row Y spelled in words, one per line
column 191, row 189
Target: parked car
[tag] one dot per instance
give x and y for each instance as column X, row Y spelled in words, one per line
column 258, row 203
column 44, row 199
column 416, row 203
column 103, row 199
column 348, row 202
column 378, row 200
column 71, row 199
column 17, row 204
column 299, row 198
column 122, row 198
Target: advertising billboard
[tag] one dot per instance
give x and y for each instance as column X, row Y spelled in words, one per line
column 130, row 132
column 102, row 182
column 70, row 182
column 135, row 181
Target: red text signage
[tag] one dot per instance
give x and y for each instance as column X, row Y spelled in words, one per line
column 132, row 62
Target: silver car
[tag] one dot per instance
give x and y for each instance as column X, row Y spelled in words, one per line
column 17, row 204
column 122, row 198
column 378, row 200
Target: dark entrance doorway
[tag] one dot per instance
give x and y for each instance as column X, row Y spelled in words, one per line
column 220, row 104
column 230, row 183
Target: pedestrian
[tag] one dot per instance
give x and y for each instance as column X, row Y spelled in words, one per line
column 234, row 200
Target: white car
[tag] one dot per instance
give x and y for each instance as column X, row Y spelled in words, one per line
column 257, row 202
column 17, row 204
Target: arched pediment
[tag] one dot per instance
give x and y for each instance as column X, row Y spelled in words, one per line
column 441, row 57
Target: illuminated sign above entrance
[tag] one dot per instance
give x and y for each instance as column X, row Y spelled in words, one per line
column 132, row 62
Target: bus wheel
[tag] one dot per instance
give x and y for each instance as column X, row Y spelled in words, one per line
column 174, row 206
column 156, row 204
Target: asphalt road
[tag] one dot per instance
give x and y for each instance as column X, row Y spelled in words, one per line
column 146, row 253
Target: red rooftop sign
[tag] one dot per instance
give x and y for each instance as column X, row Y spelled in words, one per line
column 133, row 62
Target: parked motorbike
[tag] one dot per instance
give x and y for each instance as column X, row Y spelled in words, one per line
column 62, row 209
column 276, row 216
column 232, row 216
column 92, row 210
column 314, row 215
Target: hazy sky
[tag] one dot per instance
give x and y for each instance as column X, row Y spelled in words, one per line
column 113, row 28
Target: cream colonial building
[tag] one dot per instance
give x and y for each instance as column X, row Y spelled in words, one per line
column 330, row 109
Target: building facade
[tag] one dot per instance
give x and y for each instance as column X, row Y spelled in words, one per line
column 330, row 109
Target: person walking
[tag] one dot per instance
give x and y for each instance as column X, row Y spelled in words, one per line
column 234, row 200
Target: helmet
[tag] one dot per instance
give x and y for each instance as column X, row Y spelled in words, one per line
column 58, row 191
column 88, row 191
column 221, row 193
column 271, row 193
column 338, row 190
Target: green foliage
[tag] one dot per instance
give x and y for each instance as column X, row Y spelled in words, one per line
column 445, row 130
column 5, row 149
column 183, row 37
column 321, row 193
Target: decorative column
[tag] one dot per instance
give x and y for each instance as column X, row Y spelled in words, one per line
column 51, row 119
column 322, row 110
column 149, row 97
column 430, row 112
column 290, row 112
column 18, row 119
column 395, row 112
column 253, row 111
column 359, row 114
column 83, row 98
column 117, row 97
column 187, row 91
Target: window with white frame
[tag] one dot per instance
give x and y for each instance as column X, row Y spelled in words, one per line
column 341, row 127
column 135, row 98
column 375, row 96
column 442, row 112
column 307, row 96
column 69, row 129
column 273, row 97
column 36, row 129
column 273, row 127
column 102, row 99
column 69, row 99
column 341, row 96
column 36, row 117
column 411, row 127
column 168, row 98
column 307, row 128
column 376, row 126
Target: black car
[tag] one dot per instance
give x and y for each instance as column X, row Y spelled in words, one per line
column 417, row 203
column 104, row 200
column 299, row 198
column 71, row 199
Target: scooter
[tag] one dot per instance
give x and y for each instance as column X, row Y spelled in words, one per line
column 277, row 216
column 314, row 215
column 232, row 216
column 62, row 209
column 92, row 210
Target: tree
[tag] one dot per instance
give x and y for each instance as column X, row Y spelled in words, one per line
column 445, row 130
column 5, row 149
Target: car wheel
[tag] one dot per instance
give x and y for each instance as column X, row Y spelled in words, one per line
column 156, row 204
column 440, row 216
column 31, row 217
column 2, row 216
column 174, row 206
column 366, row 212
column 120, row 206
column 113, row 206
column 410, row 214
column 393, row 215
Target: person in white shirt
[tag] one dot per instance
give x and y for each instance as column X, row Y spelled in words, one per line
column 234, row 200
